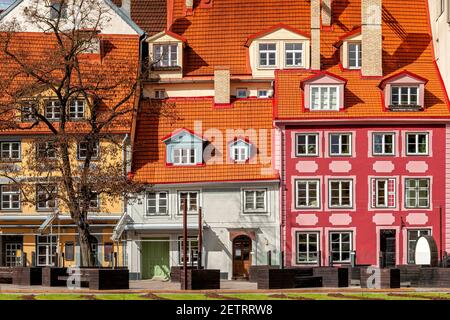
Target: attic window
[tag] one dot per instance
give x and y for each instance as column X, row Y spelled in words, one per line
column 267, row 55
column 324, row 98
column 58, row 10
column 165, row 55
column 404, row 96
column 184, row 148
column 354, row 55
column 91, row 46
column 240, row 150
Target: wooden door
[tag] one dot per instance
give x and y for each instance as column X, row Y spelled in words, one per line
column 388, row 248
column 242, row 246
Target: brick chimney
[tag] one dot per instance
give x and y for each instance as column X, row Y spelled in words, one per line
column 315, row 34
column 372, row 47
column 221, row 85
column 326, row 12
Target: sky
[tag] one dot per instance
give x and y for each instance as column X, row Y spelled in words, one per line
column 5, row 3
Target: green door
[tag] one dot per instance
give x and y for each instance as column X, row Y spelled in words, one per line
column 155, row 259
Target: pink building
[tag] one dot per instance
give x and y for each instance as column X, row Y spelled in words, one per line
column 363, row 138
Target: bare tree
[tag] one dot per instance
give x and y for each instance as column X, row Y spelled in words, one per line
column 72, row 99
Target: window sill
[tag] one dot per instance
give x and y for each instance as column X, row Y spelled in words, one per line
column 405, row 108
column 168, row 68
column 255, row 213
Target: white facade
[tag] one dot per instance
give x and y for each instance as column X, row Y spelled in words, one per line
column 440, row 25
column 223, row 219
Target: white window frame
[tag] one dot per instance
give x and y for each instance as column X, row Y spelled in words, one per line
column 408, row 239
column 358, row 55
column 328, row 106
column 190, row 152
column 409, row 95
column 10, row 150
column 190, row 239
column 48, row 200
column 11, row 258
column 294, row 52
column 159, row 60
column 160, row 94
column 417, row 134
column 267, row 54
column 375, row 192
column 50, row 246
column 340, row 153
column 76, row 110
column 50, row 110
column 417, row 190
column 340, row 245
column 307, row 144
column 95, row 154
column 254, row 209
column 243, row 151
column 262, row 93
column 188, row 192
column 241, row 93
column 10, row 194
column 340, row 205
column 383, row 144
column 157, row 203
column 39, row 150
column 308, row 241
column 308, row 188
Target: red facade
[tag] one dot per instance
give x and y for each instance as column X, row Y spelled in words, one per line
column 351, row 213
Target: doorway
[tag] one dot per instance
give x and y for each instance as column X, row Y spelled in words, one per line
column 242, row 246
column 155, row 259
column 388, row 248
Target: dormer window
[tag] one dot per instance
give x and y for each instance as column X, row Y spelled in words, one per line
column 53, row 110
column 404, row 96
column 267, row 55
column 324, row 98
column 324, row 91
column 91, row 46
column 240, row 150
column 404, row 91
column 184, row 156
column 58, row 10
column 165, row 55
column 160, row 94
column 294, row 54
column 184, row 148
column 76, row 109
column 354, row 55
column 241, row 93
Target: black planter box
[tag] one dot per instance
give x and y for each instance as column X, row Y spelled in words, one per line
column 332, row 277
column 108, row 279
column 50, row 277
column 389, row 278
column 434, row 277
column 409, row 275
column 200, row 279
column 6, row 275
column 27, row 276
column 175, row 272
column 253, row 272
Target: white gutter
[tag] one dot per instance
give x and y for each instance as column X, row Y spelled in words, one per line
column 42, row 217
column 159, row 226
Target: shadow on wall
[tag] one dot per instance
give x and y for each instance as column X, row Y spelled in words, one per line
column 213, row 243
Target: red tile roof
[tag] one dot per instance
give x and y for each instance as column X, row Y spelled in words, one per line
column 149, row 163
column 119, row 62
column 407, row 45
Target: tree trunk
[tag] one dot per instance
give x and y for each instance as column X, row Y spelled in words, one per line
column 85, row 245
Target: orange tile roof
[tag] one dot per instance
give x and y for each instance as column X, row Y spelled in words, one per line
column 120, row 59
column 407, row 45
column 217, row 36
column 149, row 163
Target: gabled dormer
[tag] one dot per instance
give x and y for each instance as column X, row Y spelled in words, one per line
column 240, row 150
column 323, row 91
column 279, row 47
column 350, row 49
column 184, row 148
column 404, row 91
column 166, row 54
